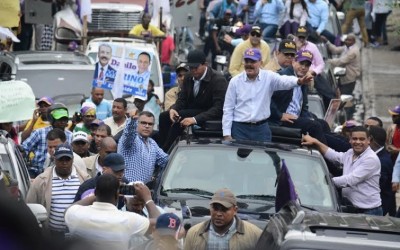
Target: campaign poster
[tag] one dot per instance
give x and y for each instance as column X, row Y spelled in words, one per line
column 123, row 69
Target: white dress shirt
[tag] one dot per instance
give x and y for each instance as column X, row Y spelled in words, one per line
column 249, row 100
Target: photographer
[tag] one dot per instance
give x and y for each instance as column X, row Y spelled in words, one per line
column 97, row 220
column 113, row 164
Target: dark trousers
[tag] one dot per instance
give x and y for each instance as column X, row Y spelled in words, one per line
column 202, row 23
column 313, row 36
column 307, row 125
column 389, row 203
column 288, row 28
column 25, row 36
column 168, row 131
column 324, row 88
column 380, row 26
column 347, row 89
column 241, row 131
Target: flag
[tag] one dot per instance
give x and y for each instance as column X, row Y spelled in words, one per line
column 84, row 8
column 285, row 191
column 146, row 7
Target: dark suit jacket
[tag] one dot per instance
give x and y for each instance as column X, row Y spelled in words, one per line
column 210, row 98
column 282, row 98
column 385, row 181
column 109, row 75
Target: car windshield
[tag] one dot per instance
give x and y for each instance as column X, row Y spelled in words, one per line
column 56, row 81
column 249, row 173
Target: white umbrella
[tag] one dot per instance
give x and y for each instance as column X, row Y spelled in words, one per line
column 6, row 32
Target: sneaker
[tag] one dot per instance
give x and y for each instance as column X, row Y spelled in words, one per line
column 374, row 45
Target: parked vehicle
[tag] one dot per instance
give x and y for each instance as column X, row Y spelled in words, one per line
column 294, row 228
column 199, row 166
column 51, row 73
column 12, row 161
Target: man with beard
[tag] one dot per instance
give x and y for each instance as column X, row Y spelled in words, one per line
column 56, row 187
column 225, row 230
column 118, row 120
column 361, row 171
column 103, row 107
column 236, row 64
column 248, row 98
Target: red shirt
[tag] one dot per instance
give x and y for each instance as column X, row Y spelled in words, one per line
column 167, row 47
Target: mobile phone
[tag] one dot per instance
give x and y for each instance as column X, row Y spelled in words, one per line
column 126, row 189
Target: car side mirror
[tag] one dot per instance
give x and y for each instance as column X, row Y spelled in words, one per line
column 39, row 212
column 339, row 71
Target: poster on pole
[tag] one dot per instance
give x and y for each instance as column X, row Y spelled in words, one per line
column 17, row 101
column 123, row 70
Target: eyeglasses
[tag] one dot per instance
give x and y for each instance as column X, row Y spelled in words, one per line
column 255, row 33
column 146, row 123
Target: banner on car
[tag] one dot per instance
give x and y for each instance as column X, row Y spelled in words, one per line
column 122, row 69
column 17, row 101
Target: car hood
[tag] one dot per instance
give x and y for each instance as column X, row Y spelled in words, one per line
column 194, row 210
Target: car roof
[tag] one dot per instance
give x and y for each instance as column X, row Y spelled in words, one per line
column 50, row 57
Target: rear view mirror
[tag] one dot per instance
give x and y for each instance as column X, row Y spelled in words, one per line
column 39, row 212
column 339, row 71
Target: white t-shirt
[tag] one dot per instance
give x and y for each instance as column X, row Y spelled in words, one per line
column 104, row 225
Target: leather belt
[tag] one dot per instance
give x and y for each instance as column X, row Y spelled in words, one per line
column 363, row 210
column 254, row 123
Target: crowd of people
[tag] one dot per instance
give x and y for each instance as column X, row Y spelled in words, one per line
column 94, row 174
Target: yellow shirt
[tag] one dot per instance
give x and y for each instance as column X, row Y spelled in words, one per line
column 236, row 65
column 138, row 30
column 38, row 124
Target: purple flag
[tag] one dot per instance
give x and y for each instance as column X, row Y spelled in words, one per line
column 285, row 191
column 146, row 7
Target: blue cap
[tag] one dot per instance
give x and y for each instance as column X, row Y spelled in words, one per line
column 63, row 150
column 114, row 161
column 253, row 54
column 168, row 224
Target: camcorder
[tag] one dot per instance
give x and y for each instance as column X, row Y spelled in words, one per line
column 78, row 116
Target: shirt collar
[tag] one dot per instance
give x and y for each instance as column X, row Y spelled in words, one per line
column 379, row 150
column 104, row 205
column 230, row 229
column 246, row 79
column 72, row 175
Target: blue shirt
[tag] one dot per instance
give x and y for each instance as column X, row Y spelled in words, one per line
column 103, row 110
column 318, row 14
column 37, row 144
column 269, row 13
column 141, row 154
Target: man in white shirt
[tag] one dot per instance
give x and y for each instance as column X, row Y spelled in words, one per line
column 248, row 98
column 117, row 121
column 97, row 219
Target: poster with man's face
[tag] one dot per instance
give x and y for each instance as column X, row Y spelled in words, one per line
column 123, row 69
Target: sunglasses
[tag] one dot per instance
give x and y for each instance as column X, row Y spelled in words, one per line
column 147, row 123
column 255, row 33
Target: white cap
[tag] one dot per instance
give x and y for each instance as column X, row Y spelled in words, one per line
column 80, row 136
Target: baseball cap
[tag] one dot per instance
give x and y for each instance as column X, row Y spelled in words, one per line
column 181, row 66
column 114, row 161
column 304, row 55
column 195, row 58
column 287, row 46
column 244, row 30
column 302, row 31
column 168, row 224
column 256, row 29
column 96, row 122
column 47, row 100
column 224, row 197
column 80, row 136
column 63, row 150
column 59, row 113
column 395, row 110
column 253, row 54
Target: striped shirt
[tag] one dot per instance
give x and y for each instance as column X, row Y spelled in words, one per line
column 218, row 241
column 141, row 154
column 62, row 196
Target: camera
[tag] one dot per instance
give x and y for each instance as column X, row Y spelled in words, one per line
column 78, row 117
column 126, row 189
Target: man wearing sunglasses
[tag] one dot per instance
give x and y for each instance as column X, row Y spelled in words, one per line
column 236, row 64
column 141, row 153
column 283, row 57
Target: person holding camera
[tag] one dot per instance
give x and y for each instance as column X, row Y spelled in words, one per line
column 97, row 220
column 113, row 164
